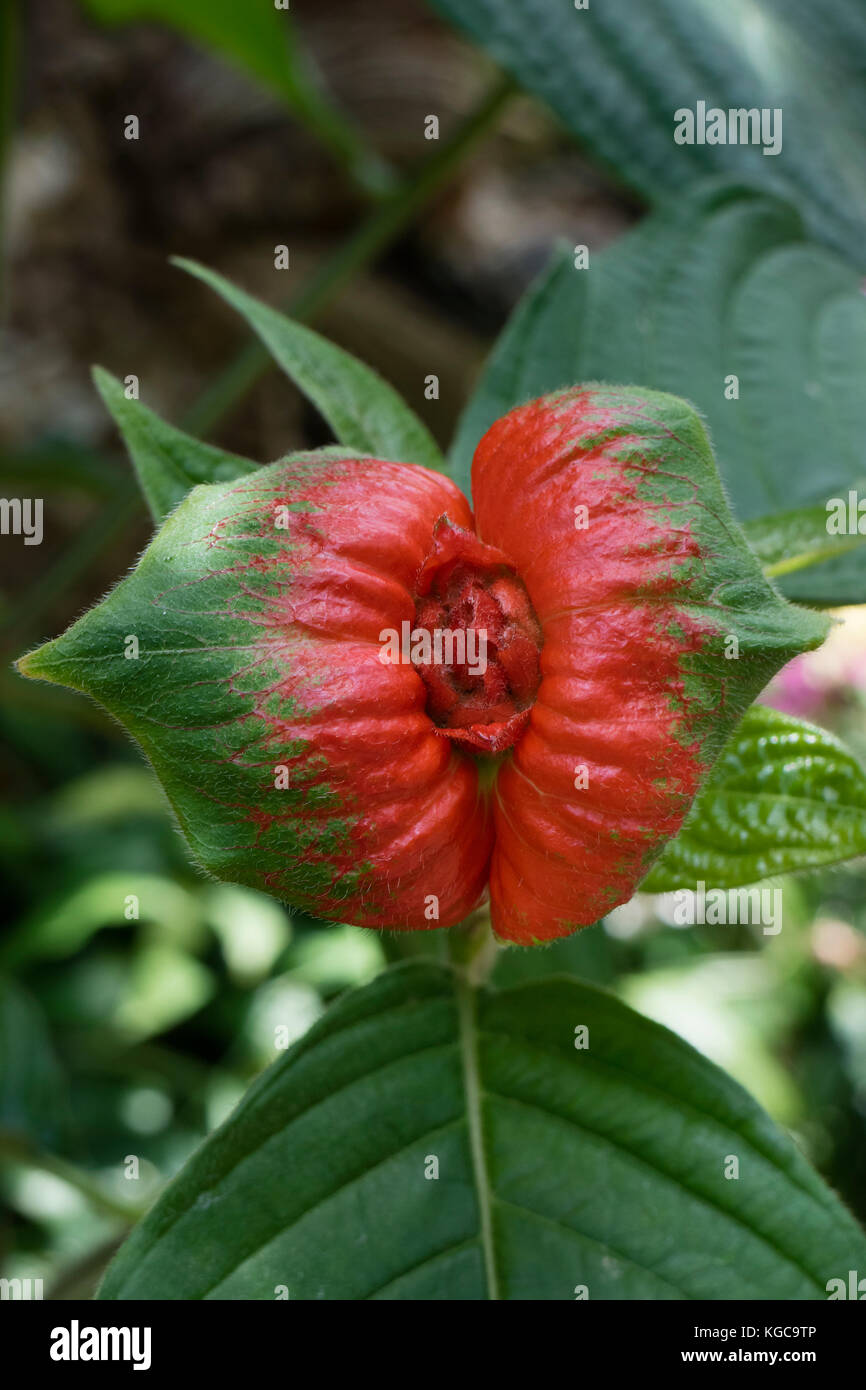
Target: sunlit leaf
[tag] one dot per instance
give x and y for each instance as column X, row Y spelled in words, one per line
column 784, row 795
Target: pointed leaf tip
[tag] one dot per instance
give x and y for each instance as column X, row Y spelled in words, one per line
column 167, row 461
column 364, row 411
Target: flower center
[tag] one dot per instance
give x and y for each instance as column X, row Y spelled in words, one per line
column 481, row 665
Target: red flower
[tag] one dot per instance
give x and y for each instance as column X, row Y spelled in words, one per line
column 377, row 707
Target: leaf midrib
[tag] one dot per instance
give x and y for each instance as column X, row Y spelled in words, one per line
column 468, row 1038
column 467, row 1042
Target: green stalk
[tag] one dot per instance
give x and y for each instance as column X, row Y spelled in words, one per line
column 472, row 948
column 308, row 98
column 16, row 1149
column 372, row 237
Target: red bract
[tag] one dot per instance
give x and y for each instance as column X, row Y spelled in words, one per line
column 376, row 707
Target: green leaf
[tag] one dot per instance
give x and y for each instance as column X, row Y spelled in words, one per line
column 168, row 462
column 61, row 925
column 164, row 987
column 364, row 412
column 62, row 466
column 253, row 35
column 721, row 283
column 784, row 795
column 558, row 1166
column 789, row 541
column 32, row 1089
column 257, row 37
column 616, row 73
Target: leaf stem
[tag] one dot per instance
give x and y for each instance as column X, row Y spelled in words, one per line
column 473, row 948
column 371, row 238
column 17, row 1149
column 308, row 98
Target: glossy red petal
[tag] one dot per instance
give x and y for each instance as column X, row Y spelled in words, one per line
column 618, row 740
column 390, row 831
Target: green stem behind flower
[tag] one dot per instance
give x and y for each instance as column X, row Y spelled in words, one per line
column 473, row 948
column 372, row 237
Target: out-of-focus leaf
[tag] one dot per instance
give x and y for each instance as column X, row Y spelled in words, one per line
column 281, row 1012
column 616, row 73
column 706, row 1002
column 254, row 33
column 784, row 795
column 698, row 301
column 167, row 462
column 104, row 795
column 338, row 957
column 61, row 465
column 443, row 1146
column 793, row 540
column 253, row 930
column 364, row 412
column 61, row 927
column 165, row 987
column 31, row 1083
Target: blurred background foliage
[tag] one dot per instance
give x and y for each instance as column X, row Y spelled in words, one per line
column 137, row 999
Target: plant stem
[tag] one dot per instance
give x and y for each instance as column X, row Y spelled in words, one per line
column 473, row 948
column 371, row 238
column 16, row 1149
column 307, row 96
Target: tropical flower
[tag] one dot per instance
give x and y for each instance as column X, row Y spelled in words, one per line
column 378, row 707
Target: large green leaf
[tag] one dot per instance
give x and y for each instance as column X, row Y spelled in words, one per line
column 616, row 72
column 168, row 462
column 558, row 1166
column 364, row 412
column 784, row 795
column 719, row 283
